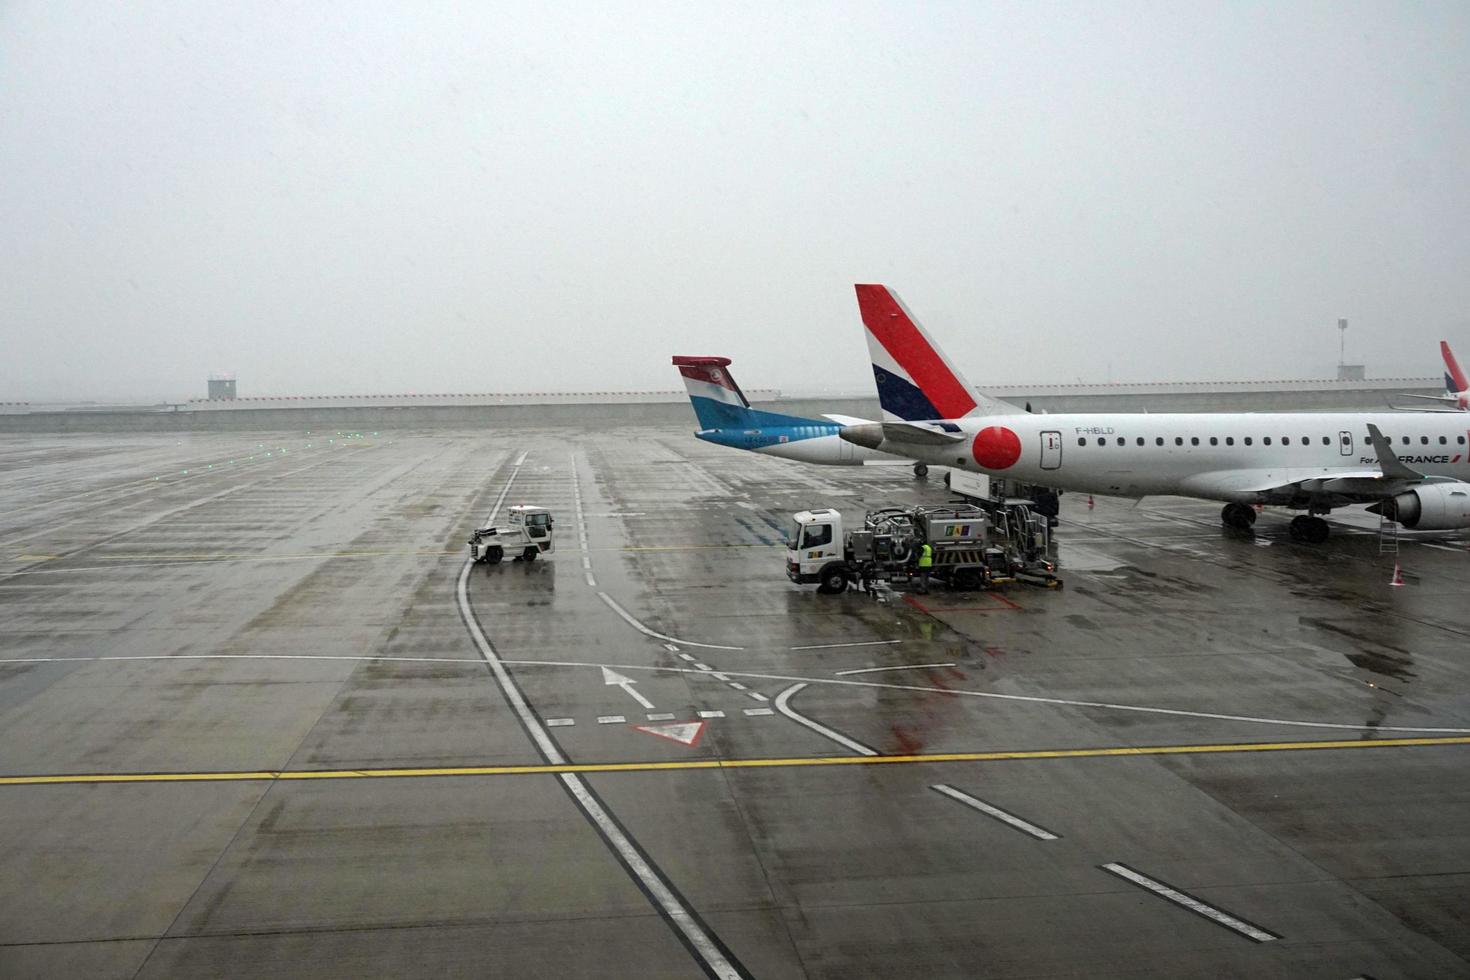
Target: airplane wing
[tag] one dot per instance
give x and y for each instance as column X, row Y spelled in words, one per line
column 923, row 433
column 1356, row 484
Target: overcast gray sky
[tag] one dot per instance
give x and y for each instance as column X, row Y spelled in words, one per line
column 363, row 197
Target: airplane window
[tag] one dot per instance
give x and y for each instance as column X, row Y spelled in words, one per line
column 1214, row 441
column 1306, row 440
column 1406, row 440
column 1247, row 440
column 1101, row 441
column 1266, row 441
column 1424, row 440
column 1286, row 440
column 1194, row 440
column 1159, row 441
column 1140, row 440
column 1442, row 440
column 1229, row 440
column 1178, row 440
column 1326, row 440
column 1460, row 440
column 1082, row 441
column 1122, row 441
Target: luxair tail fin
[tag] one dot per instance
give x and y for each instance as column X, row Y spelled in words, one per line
column 718, row 401
column 915, row 380
column 1455, row 382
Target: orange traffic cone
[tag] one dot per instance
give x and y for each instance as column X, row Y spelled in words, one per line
column 1398, row 575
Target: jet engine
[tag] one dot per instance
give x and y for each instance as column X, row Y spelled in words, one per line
column 1432, row 507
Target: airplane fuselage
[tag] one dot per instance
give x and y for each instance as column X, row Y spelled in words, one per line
column 814, row 443
column 1232, row 457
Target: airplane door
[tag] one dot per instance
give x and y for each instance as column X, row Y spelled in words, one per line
column 1051, row 450
column 1345, row 443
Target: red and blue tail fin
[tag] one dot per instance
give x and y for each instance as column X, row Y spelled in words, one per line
column 718, row 401
column 915, row 380
column 1454, row 377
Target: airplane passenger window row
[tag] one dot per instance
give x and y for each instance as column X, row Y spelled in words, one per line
column 1265, row 440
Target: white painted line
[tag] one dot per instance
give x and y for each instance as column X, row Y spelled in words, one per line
column 834, row 646
column 704, row 945
column 719, row 676
column 701, row 943
column 661, row 716
column 757, row 695
column 590, row 580
column 686, row 656
column 611, row 719
column 671, row 648
column 700, row 666
column 633, row 622
column 787, row 678
column 1024, row 826
column 560, row 722
column 521, row 458
column 736, row 685
column 783, row 705
column 711, row 714
column 1190, row 902
column 874, row 670
column 755, row 712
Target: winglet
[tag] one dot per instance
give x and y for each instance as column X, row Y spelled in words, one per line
column 1392, row 466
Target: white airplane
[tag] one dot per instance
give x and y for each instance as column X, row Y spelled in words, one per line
column 1456, row 388
column 726, row 419
column 1411, row 467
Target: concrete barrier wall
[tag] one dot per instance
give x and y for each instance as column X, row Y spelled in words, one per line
column 362, row 418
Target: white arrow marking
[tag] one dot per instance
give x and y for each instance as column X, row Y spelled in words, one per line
column 613, row 678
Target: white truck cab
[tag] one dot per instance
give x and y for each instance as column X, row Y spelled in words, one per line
column 528, row 532
column 815, row 549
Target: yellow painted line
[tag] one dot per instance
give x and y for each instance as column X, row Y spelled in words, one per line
column 776, row 763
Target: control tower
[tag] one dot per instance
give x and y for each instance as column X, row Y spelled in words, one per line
column 221, row 387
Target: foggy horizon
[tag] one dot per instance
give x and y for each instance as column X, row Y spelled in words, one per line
column 338, row 199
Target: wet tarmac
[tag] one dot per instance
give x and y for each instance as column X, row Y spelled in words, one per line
column 259, row 718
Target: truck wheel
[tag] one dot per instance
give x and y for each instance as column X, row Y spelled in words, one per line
column 921, row 471
column 493, row 554
column 529, row 554
column 965, row 580
column 833, row 580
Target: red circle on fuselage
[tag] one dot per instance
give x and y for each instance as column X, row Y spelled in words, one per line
column 997, row 448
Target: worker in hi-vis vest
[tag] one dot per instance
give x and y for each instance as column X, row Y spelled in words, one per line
column 926, row 564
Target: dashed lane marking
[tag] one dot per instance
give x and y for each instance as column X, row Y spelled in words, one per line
column 799, row 762
column 711, row 714
column 611, row 720
column 874, row 670
column 1218, row 916
column 758, row 712
column 1009, row 819
column 560, row 722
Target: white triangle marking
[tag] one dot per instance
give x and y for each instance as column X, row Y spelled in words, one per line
column 684, row 732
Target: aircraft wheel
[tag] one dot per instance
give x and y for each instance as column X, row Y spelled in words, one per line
column 529, row 554
column 1298, row 527
column 1316, row 530
column 921, row 471
column 1238, row 516
column 493, row 554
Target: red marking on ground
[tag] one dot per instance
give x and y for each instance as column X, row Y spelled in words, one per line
column 996, row 448
column 1004, row 605
column 685, row 732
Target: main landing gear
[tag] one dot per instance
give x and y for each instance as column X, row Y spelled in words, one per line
column 921, row 471
column 1242, row 517
column 1308, row 528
